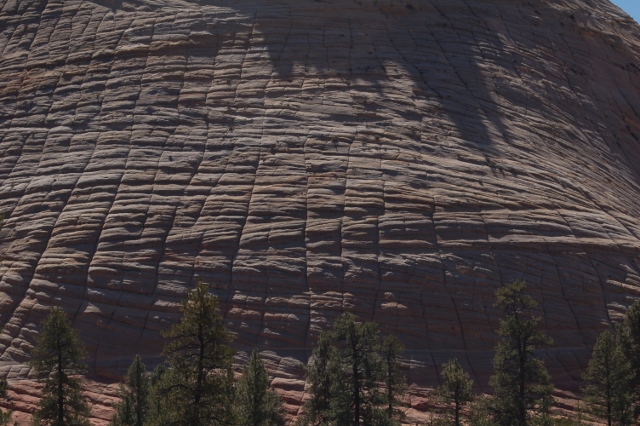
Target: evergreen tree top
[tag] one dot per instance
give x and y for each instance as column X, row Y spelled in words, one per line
column 513, row 300
column 197, row 388
column 256, row 404
column 57, row 343
column 57, row 356
column 200, row 332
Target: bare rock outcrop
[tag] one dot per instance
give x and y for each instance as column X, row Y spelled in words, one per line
column 397, row 159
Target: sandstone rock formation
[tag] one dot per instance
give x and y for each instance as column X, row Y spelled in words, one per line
column 397, row 159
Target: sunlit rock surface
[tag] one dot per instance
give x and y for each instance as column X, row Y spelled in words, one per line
column 396, row 159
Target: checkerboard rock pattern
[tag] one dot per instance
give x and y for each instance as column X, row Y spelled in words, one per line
column 396, row 159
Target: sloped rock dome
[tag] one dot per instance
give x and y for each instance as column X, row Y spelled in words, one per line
column 396, row 159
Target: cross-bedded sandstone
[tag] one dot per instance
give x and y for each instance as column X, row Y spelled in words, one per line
column 399, row 160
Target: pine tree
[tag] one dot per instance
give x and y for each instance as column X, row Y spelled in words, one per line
column 357, row 398
column 628, row 335
column 346, row 375
column 455, row 391
column 320, row 373
column 159, row 406
column 480, row 412
column 522, row 386
column 395, row 381
column 134, row 396
column 199, row 381
column 256, row 404
column 57, row 357
column 609, row 375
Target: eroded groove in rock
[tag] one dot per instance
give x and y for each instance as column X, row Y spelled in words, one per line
column 399, row 160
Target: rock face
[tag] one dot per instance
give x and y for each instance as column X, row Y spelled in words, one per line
column 396, row 159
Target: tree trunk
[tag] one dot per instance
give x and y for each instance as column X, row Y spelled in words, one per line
column 60, row 388
column 356, row 395
column 390, row 389
column 522, row 414
column 356, row 384
column 197, row 398
column 138, row 396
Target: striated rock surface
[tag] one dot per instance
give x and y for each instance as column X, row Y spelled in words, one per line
column 397, row 159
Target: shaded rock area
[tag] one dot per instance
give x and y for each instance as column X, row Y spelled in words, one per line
column 396, row 159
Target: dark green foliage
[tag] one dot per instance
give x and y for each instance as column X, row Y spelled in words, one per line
column 480, row 413
column 5, row 416
column 347, row 376
column 134, row 396
column 455, row 392
column 320, row 374
column 522, row 386
column 395, row 381
column 608, row 394
column 58, row 356
column 158, row 402
column 255, row 403
column 357, row 397
column 199, row 382
column 628, row 336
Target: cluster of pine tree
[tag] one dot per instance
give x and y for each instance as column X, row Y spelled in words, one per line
column 522, row 386
column 354, row 376
column 196, row 386
column 612, row 392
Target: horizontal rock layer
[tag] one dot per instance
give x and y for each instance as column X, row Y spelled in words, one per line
column 399, row 160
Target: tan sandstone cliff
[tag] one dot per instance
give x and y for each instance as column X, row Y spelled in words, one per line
column 397, row 159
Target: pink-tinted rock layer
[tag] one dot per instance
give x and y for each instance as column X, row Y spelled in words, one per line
column 397, row 159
